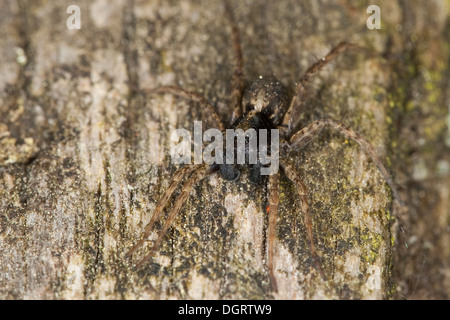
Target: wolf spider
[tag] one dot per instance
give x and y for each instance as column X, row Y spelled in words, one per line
column 269, row 106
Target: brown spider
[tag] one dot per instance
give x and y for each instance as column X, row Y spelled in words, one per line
column 267, row 105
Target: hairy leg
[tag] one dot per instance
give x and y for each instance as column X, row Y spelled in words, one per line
column 274, row 184
column 176, row 179
column 293, row 175
column 302, row 86
column 304, row 136
column 200, row 172
column 238, row 74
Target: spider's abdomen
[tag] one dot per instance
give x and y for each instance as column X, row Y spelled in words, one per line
column 269, row 97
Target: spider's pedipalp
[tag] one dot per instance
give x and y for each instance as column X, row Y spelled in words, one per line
column 199, row 173
column 294, row 176
column 178, row 176
column 304, row 136
column 302, row 86
column 274, row 184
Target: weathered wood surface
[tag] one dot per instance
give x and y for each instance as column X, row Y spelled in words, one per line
column 83, row 159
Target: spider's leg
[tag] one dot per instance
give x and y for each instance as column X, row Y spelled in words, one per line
column 274, row 184
column 302, row 86
column 207, row 109
column 199, row 173
column 238, row 74
column 302, row 137
column 178, row 176
column 293, row 175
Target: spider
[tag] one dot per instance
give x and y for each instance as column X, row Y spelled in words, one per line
column 267, row 104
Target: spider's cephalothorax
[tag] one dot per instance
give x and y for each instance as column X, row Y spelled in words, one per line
column 267, row 104
column 264, row 104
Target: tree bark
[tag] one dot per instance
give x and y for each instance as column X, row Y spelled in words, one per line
column 84, row 158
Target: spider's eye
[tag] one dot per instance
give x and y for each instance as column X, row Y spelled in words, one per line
column 249, row 107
